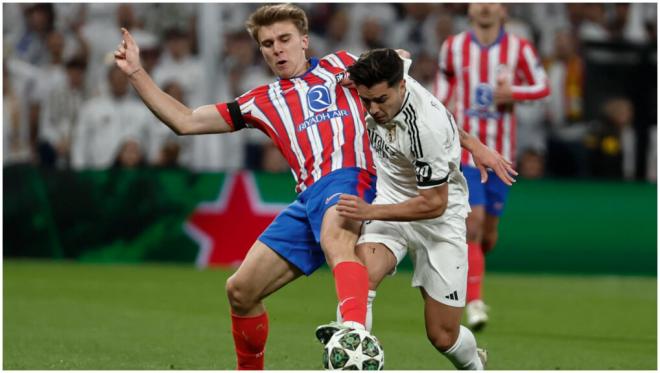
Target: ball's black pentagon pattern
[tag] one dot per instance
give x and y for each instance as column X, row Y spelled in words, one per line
column 338, row 358
column 371, row 364
column 370, row 347
column 350, row 341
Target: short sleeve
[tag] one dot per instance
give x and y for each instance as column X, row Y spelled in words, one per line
column 434, row 143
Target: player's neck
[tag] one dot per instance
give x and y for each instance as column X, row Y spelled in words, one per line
column 487, row 35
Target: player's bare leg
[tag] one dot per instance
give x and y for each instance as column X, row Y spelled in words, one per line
column 444, row 331
column 475, row 308
column 262, row 272
column 338, row 238
column 380, row 262
column 490, row 232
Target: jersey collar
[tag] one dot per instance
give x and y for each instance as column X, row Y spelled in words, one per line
column 313, row 62
column 403, row 105
column 473, row 36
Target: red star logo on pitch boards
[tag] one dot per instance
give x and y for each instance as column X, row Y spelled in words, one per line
column 226, row 228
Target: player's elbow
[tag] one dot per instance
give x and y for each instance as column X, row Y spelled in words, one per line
column 438, row 210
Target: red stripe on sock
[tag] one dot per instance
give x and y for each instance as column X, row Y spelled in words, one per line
column 476, row 268
column 250, row 334
column 352, row 285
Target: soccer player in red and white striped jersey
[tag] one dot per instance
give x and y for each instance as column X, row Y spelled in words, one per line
column 319, row 127
column 482, row 73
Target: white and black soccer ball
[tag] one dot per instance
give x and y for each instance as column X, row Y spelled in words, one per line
column 353, row 349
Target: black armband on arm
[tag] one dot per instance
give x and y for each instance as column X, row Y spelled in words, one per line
column 236, row 115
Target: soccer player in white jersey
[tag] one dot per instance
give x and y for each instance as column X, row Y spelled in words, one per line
column 484, row 71
column 421, row 201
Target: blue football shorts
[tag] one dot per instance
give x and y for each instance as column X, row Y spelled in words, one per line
column 295, row 234
column 492, row 194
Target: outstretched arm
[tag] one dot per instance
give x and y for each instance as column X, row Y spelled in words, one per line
column 429, row 204
column 181, row 119
column 484, row 157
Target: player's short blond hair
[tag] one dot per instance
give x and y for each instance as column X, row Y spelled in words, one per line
column 266, row 15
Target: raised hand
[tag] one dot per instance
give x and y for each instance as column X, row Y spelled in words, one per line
column 484, row 158
column 127, row 55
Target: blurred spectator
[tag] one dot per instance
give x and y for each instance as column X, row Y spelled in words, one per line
column 627, row 22
column 16, row 144
column 101, row 32
column 59, row 115
column 531, row 164
column 564, row 109
column 179, row 65
column 39, row 21
column 366, row 24
column 371, row 35
column 652, row 155
column 444, row 27
column 612, row 142
column 160, row 17
column 415, row 32
column 105, row 122
column 593, row 27
column 335, row 37
column 164, row 146
column 129, row 155
column 272, row 159
column 423, row 69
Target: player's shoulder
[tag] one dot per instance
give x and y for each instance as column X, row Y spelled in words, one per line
column 341, row 59
column 519, row 39
column 421, row 100
column 260, row 91
column 459, row 37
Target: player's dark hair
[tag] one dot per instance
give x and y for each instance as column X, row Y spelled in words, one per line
column 266, row 15
column 376, row 66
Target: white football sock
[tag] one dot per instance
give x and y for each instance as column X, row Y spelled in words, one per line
column 370, row 301
column 463, row 354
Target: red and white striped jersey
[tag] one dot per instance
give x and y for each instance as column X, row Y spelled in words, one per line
column 470, row 72
column 317, row 124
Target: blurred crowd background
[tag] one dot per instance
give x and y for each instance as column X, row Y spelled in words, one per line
column 67, row 107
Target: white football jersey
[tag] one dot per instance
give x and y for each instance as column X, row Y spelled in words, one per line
column 418, row 149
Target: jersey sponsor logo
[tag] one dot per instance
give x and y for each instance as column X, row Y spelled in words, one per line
column 423, row 171
column 483, row 95
column 483, row 114
column 321, row 117
column 318, row 98
column 379, row 145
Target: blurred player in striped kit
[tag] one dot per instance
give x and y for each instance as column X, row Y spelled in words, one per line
column 482, row 73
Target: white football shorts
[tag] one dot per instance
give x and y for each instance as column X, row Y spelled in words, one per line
column 437, row 248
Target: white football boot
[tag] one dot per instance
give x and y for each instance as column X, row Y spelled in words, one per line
column 477, row 315
column 483, row 356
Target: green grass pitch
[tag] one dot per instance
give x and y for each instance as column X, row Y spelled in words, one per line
column 61, row 315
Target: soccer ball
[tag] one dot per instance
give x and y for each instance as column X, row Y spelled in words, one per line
column 353, row 349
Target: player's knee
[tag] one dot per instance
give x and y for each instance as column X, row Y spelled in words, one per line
column 442, row 338
column 240, row 298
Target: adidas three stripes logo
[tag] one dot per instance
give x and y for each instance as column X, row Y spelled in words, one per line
column 452, row 296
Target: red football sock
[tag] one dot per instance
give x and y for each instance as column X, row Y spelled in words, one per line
column 476, row 268
column 250, row 334
column 352, row 284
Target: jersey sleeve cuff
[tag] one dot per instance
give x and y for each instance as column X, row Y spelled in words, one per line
column 432, row 183
column 224, row 112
